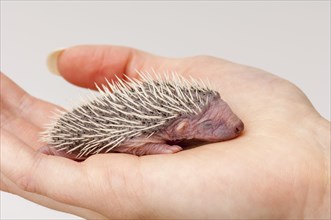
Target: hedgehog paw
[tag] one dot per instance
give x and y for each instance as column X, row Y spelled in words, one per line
column 149, row 149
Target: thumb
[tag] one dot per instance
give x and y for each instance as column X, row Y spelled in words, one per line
column 88, row 64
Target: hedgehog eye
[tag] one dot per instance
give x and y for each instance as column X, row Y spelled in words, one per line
column 207, row 124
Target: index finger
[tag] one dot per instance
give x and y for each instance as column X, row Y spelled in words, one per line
column 21, row 104
column 51, row 176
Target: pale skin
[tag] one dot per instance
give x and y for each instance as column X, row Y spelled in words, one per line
column 278, row 168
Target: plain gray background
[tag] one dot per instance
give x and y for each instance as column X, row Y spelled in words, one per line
column 289, row 39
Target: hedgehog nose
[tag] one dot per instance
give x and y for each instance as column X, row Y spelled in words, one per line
column 239, row 127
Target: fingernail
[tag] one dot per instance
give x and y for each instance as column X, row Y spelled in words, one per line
column 52, row 61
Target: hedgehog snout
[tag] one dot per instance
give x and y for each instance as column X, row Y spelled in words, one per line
column 234, row 126
column 226, row 131
column 239, row 128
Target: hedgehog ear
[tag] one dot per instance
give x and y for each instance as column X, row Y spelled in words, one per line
column 182, row 126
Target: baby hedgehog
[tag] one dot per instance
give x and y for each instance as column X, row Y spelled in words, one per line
column 142, row 117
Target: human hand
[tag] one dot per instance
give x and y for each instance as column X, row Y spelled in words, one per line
column 278, row 168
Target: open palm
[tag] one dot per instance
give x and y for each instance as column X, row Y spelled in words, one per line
column 278, row 168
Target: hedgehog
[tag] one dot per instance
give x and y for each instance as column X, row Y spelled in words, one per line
column 142, row 117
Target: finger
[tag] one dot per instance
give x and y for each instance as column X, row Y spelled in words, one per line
column 27, row 132
column 16, row 100
column 50, row 176
column 86, row 65
column 9, row 186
